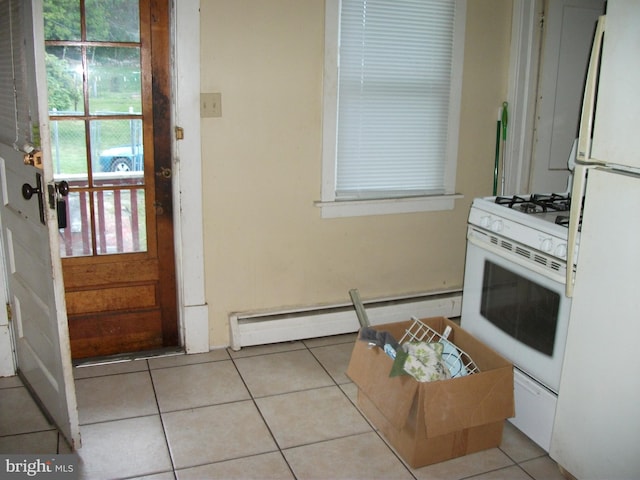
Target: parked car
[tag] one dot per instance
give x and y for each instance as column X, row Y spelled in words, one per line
column 122, row 159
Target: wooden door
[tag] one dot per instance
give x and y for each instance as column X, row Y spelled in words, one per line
column 109, row 107
column 29, row 225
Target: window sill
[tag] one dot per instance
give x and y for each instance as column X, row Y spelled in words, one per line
column 358, row 208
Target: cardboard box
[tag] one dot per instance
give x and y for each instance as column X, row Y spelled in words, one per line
column 434, row 421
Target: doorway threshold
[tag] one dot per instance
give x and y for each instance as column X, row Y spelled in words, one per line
column 128, row 357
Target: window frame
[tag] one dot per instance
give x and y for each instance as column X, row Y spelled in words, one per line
column 333, row 207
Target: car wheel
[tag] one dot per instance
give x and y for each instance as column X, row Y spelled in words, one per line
column 121, row 165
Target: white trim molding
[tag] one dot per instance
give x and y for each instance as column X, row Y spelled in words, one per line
column 526, row 34
column 355, row 208
column 189, row 236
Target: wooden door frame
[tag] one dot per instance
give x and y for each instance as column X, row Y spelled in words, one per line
column 193, row 310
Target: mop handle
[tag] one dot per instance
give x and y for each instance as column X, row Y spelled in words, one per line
column 505, row 120
column 496, row 164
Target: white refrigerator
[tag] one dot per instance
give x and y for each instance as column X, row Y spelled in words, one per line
column 596, row 433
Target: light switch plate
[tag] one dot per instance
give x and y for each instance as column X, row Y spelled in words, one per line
column 210, row 105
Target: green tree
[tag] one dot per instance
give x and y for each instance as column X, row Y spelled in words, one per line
column 63, row 89
column 113, row 20
column 107, row 20
column 61, row 19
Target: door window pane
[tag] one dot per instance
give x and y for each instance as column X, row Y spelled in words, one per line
column 114, row 80
column 109, row 21
column 120, row 221
column 69, row 151
column 75, row 239
column 64, row 80
column 117, row 152
column 520, row 307
column 61, row 19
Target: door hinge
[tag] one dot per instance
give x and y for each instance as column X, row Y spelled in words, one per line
column 9, row 312
column 179, row 133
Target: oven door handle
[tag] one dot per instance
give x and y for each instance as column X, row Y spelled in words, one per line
column 512, row 257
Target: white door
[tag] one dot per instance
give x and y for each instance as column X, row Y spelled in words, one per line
column 568, row 35
column 29, row 226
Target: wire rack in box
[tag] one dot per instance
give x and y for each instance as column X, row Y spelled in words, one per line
column 458, row 361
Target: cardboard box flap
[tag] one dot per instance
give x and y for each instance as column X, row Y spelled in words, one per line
column 452, row 405
column 369, row 369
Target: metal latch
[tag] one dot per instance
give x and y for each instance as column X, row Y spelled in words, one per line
column 33, row 158
column 179, row 132
column 164, row 172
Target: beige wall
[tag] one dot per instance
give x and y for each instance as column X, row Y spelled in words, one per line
column 266, row 245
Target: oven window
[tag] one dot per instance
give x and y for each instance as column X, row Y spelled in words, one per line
column 521, row 308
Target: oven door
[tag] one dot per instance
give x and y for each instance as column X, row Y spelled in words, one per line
column 514, row 301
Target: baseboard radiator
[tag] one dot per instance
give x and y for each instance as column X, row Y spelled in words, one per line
column 261, row 328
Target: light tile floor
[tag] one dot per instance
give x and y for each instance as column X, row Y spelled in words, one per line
column 282, row 411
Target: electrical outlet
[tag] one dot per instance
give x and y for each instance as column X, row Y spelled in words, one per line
column 210, row 105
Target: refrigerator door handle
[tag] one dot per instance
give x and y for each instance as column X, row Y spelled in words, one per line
column 583, row 156
column 577, row 194
column 589, row 101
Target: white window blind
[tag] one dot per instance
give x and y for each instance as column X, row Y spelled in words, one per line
column 14, row 101
column 394, row 87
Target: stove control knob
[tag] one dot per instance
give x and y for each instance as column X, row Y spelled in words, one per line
column 497, row 225
column 485, row 221
column 546, row 245
column 561, row 250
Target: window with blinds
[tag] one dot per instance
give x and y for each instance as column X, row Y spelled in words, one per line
column 15, row 126
column 397, row 81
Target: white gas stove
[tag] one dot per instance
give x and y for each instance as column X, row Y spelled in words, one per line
column 538, row 221
column 514, row 296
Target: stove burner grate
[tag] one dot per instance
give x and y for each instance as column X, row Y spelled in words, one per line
column 563, row 220
column 537, row 203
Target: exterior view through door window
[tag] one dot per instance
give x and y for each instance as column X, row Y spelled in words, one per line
column 94, row 77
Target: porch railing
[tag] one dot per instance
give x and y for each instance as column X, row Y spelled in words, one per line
column 118, row 210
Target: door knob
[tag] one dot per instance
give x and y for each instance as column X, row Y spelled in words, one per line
column 28, row 191
column 63, row 188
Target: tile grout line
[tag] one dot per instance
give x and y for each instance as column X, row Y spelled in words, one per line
column 542, row 455
column 264, row 420
column 373, row 428
column 164, row 428
column 518, row 464
column 482, row 474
